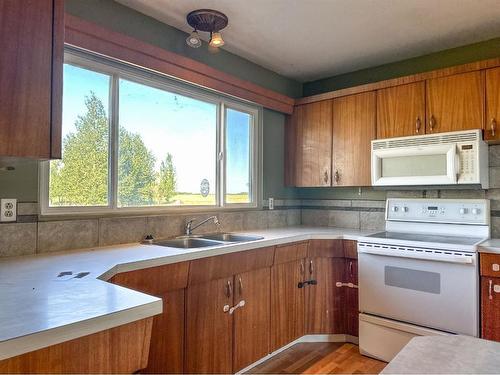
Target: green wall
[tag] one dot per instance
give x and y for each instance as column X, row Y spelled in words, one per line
column 450, row 57
column 117, row 17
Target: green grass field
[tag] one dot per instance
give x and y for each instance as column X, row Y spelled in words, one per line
column 198, row 200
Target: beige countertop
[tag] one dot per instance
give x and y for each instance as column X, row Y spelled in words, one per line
column 39, row 308
column 454, row 354
column 490, row 246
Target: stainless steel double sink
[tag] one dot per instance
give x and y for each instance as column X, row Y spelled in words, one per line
column 208, row 240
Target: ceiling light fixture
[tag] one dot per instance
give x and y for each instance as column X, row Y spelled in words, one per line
column 208, row 20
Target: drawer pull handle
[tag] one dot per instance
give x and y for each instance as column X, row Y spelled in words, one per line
column 240, row 283
column 339, row 284
column 493, row 126
column 311, row 267
column 238, row 305
column 432, row 123
column 226, row 308
column 495, row 267
column 229, row 289
column 418, row 125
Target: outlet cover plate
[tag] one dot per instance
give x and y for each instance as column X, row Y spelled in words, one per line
column 8, row 210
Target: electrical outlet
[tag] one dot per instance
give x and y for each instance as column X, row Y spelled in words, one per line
column 271, row 203
column 8, row 209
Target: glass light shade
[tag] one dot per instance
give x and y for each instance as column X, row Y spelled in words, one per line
column 193, row 40
column 216, row 39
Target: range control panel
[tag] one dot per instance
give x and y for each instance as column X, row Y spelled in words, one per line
column 460, row 211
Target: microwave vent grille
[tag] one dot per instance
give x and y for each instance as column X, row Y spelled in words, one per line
column 426, row 140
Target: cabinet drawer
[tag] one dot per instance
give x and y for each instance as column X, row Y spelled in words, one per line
column 490, row 308
column 351, row 249
column 155, row 280
column 490, row 265
column 326, row 249
column 290, row 252
column 227, row 265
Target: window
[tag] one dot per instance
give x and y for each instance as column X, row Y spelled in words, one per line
column 135, row 140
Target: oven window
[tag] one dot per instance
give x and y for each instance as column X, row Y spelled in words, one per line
column 422, row 165
column 407, row 278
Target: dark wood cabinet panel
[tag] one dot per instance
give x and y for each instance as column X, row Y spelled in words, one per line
column 401, row 110
column 490, row 308
column 455, row 102
column 31, row 41
column 123, row 349
column 309, row 133
column 351, row 298
column 252, row 321
column 490, row 265
column 491, row 129
column 325, row 304
column 287, row 303
column 350, row 249
column 212, row 268
column 291, row 251
column 168, row 282
column 354, row 119
column 326, row 248
column 209, row 328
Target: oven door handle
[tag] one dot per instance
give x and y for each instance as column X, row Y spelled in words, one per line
column 417, row 255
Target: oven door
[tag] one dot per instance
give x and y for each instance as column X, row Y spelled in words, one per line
column 425, row 165
column 429, row 288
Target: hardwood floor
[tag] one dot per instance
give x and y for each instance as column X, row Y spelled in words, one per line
column 320, row 358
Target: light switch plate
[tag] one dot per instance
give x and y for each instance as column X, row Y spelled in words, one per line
column 8, row 210
column 271, row 203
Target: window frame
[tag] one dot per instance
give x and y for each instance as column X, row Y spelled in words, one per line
column 116, row 70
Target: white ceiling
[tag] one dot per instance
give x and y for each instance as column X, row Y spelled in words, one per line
column 312, row 39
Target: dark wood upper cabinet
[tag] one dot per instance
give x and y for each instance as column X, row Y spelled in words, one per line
column 354, row 118
column 309, row 135
column 31, row 63
column 491, row 129
column 401, row 110
column 455, row 102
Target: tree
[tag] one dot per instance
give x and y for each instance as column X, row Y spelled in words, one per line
column 136, row 174
column 81, row 177
column 167, row 181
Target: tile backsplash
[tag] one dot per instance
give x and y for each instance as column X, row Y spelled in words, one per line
column 31, row 236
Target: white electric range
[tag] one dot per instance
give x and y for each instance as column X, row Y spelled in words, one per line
column 420, row 276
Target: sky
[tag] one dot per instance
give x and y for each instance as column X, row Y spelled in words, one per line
column 167, row 122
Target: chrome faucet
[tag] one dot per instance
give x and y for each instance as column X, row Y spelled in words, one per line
column 189, row 225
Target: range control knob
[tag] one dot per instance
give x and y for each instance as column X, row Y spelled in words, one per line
column 476, row 211
column 394, row 208
column 463, row 211
column 405, row 209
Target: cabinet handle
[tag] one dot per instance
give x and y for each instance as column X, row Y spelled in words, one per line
column 302, row 268
column 240, row 284
column 325, row 178
column 490, row 296
column 311, row 267
column 229, row 289
column 432, row 123
column 418, row 125
column 493, row 126
column 350, row 268
column 337, row 177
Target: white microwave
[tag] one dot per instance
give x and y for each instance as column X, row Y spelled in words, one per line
column 433, row 159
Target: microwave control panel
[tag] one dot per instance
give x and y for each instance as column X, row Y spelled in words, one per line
column 467, row 155
column 464, row 211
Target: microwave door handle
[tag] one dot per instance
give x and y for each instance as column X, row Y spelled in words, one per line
column 457, row 166
column 417, row 255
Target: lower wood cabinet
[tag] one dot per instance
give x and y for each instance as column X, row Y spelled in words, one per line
column 351, row 298
column 490, row 308
column 324, row 300
column 123, row 349
column 209, row 327
column 166, row 354
column 287, row 303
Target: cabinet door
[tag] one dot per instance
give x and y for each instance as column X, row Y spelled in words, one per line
column 455, row 103
column 287, row 303
column 353, row 130
column 492, row 132
column 325, row 301
column 490, row 308
column 31, row 41
column 252, row 321
column 351, row 301
column 209, row 335
column 313, row 137
column 401, row 110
